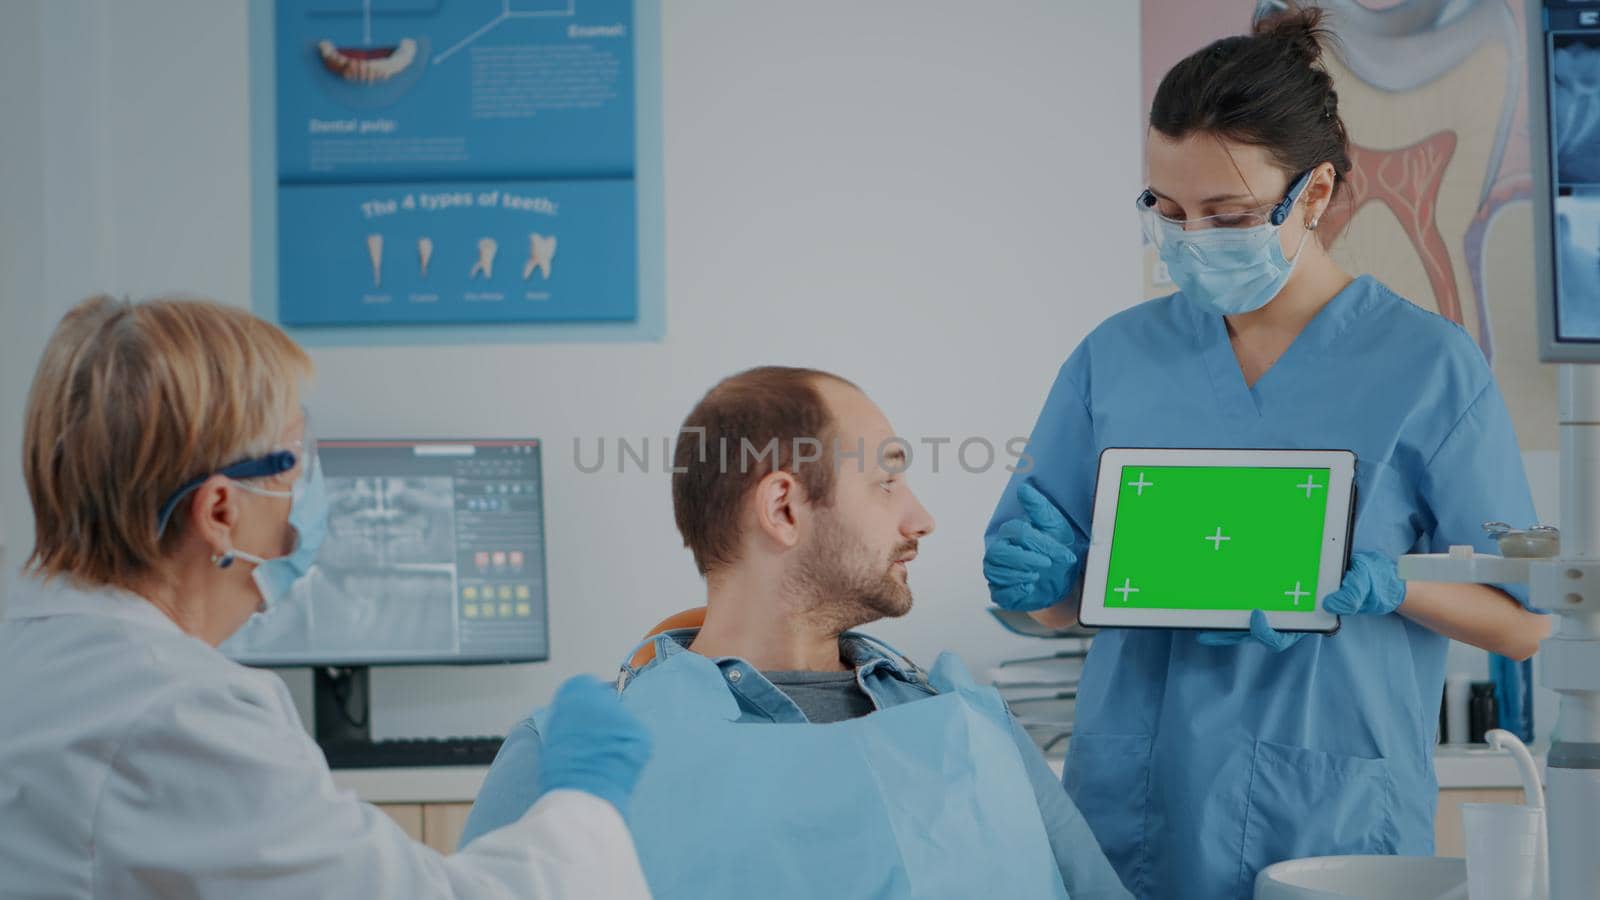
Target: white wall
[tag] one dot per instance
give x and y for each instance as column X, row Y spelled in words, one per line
column 21, row 256
column 931, row 198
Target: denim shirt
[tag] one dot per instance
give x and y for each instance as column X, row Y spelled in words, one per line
column 887, row 678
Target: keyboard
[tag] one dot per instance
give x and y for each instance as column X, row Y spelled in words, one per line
column 456, row 751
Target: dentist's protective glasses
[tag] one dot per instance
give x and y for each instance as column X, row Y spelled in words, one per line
column 275, row 463
column 1226, row 234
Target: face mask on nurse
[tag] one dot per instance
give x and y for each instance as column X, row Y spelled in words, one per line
column 1230, row 263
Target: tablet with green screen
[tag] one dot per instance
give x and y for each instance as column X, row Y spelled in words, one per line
column 1199, row 538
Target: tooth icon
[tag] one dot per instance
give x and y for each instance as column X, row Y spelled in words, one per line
column 424, row 253
column 541, row 251
column 485, row 264
column 375, row 253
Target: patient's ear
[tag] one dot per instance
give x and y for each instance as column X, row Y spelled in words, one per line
column 775, row 503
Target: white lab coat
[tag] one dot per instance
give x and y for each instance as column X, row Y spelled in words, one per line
column 136, row 761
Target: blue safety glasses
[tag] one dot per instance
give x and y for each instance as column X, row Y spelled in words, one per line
column 274, row 463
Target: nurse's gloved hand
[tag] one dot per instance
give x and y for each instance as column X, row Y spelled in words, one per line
column 592, row 744
column 1260, row 631
column 1372, row 587
column 1027, row 561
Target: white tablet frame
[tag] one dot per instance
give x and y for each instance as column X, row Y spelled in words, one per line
column 1337, row 531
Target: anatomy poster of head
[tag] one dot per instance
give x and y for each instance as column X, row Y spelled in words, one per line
column 1434, row 95
column 470, row 161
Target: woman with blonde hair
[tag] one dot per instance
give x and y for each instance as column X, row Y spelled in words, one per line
column 176, row 492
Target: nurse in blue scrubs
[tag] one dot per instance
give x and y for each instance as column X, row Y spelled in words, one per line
column 1198, row 758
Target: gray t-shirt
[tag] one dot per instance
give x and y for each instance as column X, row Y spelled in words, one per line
column 823, row 696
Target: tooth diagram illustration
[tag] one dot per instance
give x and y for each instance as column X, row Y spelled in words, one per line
column 541, row 252
column 424, row 253
column 485, row 264
column 375, row 253
column 366, row 65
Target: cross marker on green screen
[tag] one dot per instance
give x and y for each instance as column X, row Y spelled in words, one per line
column 1270, row 521
column 1217, row 539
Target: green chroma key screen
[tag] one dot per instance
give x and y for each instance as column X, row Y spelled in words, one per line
column 1203, row 537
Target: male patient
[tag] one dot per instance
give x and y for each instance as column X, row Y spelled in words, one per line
column 795, row 757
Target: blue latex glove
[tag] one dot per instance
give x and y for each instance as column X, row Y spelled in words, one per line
column 592, row 744
column 1027, row 561
column 1372, row 587
column 1277, row 641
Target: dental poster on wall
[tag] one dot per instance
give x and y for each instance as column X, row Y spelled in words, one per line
column 455, row 161
column 1438, row 205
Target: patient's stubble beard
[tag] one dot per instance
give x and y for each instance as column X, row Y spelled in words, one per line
column 844, row 583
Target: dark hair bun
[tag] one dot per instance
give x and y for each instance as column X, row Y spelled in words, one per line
column 1267, row 88
column 1300, row 29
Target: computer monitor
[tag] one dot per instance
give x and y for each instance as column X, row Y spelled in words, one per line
column 434, row 554
column 1564, row 126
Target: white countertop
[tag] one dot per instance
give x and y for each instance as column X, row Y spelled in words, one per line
column 434, row 784
column 1458, row 767
column 1469, row 766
